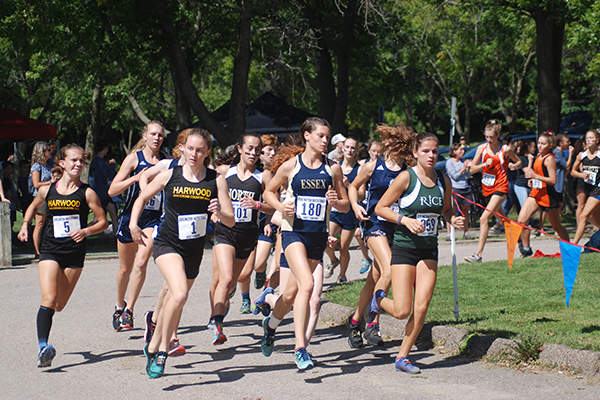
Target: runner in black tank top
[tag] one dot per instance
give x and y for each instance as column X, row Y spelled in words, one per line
column 133, row 260
column 63, row 245
column 590, row 162
column 234, row 247
column 193, row 193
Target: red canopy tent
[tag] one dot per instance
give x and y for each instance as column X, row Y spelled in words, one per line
column 14, row 127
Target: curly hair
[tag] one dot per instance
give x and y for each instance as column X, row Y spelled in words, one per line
column 233, row 156
column 293, row 146
column 398, row 141
column 37, row 156
column 269, row 140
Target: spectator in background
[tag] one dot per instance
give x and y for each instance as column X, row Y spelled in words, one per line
column 458, row 172
column 101, row 173
column 23, row 185
column 53, row 145
column 337, row 154
column 41, row 175
column 463, row 142
column 10, row 191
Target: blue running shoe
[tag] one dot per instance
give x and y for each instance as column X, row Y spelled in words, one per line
column 157, row 367
column 268, row 342
column 45, row 356
column 245, row 308
column 374, row 307
column 303, row 360
column 365, row 265
column 403, row 364
column 260, row 304
column 211, row 323
column 149, row 359
column 218, row 335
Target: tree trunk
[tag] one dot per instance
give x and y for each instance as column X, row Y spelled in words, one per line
column 326, row 83
column 94, row 130
column 549, row 42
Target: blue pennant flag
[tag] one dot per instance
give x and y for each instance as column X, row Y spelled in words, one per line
column 570, row 255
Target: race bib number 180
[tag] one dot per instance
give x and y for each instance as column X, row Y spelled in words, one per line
column 65, row 224
column 311, row 208
column 192, row 226
column 430, row 222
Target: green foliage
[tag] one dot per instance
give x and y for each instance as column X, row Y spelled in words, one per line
column 529, row 347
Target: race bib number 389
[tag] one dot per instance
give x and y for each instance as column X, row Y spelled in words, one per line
column 192, row 226
column 430, row 222
column 65, row 224
column 311, row 208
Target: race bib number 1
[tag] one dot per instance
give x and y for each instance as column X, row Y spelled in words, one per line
column 192, row 226
column 65, row 224
column 154, row 203
column 241, row 214
column 488, row 179
column 311, row 208
column 430, row 222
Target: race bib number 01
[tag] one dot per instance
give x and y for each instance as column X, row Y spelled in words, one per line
column 154, row 203
column 192, row 226
column 311, row 208
column 591, row 180
column 536, row 184
column 430, row 222
column 488, row 179
column 65, row 224
column 241, row 214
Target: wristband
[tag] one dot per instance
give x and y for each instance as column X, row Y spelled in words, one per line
column 400, row 219
column 258, row 205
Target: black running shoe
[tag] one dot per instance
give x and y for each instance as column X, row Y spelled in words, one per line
column 117, row 318
column 150, row 326
column 373, row 335
column 259, row 279
column 127, row 319
column 355, row 339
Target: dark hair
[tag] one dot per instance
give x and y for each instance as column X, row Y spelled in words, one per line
column 523, row 146
column 102, row 144
column 424, row 136
column 7, row 164
column 454, row 148
column 233, row 156
column 309, row 125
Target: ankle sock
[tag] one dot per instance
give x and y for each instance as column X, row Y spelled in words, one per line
column 273, row 323
column 354, row 322
column 372, row 323
column 246, row 295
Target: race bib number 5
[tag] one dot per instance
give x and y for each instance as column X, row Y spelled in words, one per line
column 192, row 226
column 311, row 208
column 241, row 214
column 430, row 222
column 65, row 224
column 488, row 179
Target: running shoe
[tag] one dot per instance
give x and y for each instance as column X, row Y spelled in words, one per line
column 526, row 252
column 342, row 279
column 211, row 323
column 373, row 335
column 365, row 265
column 473, row 258
column 268, row 341
column 355, row 339
column 329, row 268
column 374, row 308
column 149, row 358
column 176, row 349
column 117, row 317
column 303, row 360
column 245, row 308
column 218, row 335
column 361, row 323
column 233, row 293
column 466, row 236
column 127, row 319
column 260, row 303
column 157, row 367
column 448, row 238
column 150, row 326
column 259, row 279
column 403, row 364
column 45, row 356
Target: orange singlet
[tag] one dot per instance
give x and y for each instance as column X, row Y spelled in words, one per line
column 493, row 178
column 545, row 195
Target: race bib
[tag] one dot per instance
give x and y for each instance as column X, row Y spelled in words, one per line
column 241, row 214
column 591, row 180
column 488, row 179
column 394, row 207
column 154, row 203
column 65, row 224
column 430, row 222
column 536, row 184
column 311, row 208
column 192, row 226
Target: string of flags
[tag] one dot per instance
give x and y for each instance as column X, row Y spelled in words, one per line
column 570, row 252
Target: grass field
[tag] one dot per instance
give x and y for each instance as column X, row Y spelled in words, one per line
column 527, row 300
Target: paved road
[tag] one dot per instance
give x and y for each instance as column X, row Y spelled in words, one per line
column 94, row 362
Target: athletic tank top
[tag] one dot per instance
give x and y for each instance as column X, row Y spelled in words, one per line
column 545, row 195
column 380, row 181
column 591, row 165
column 152, row 209
column 186, row 210
column 351, row 176
column 67, row 213
column 307, row 188
column 422, row 203
column 245, row 218
column 493, row 178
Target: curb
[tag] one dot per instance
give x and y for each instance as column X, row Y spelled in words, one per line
column 451, row 339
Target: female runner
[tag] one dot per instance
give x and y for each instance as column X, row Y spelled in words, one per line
column 589, row 161
column 378, row 175
column 312, row 186
column 133, row 259
column 494, row 159
column 543, row 195
column 193, row 193
column 422, row 195
column 345, row 223
column 62, row 251
column 234, row 245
